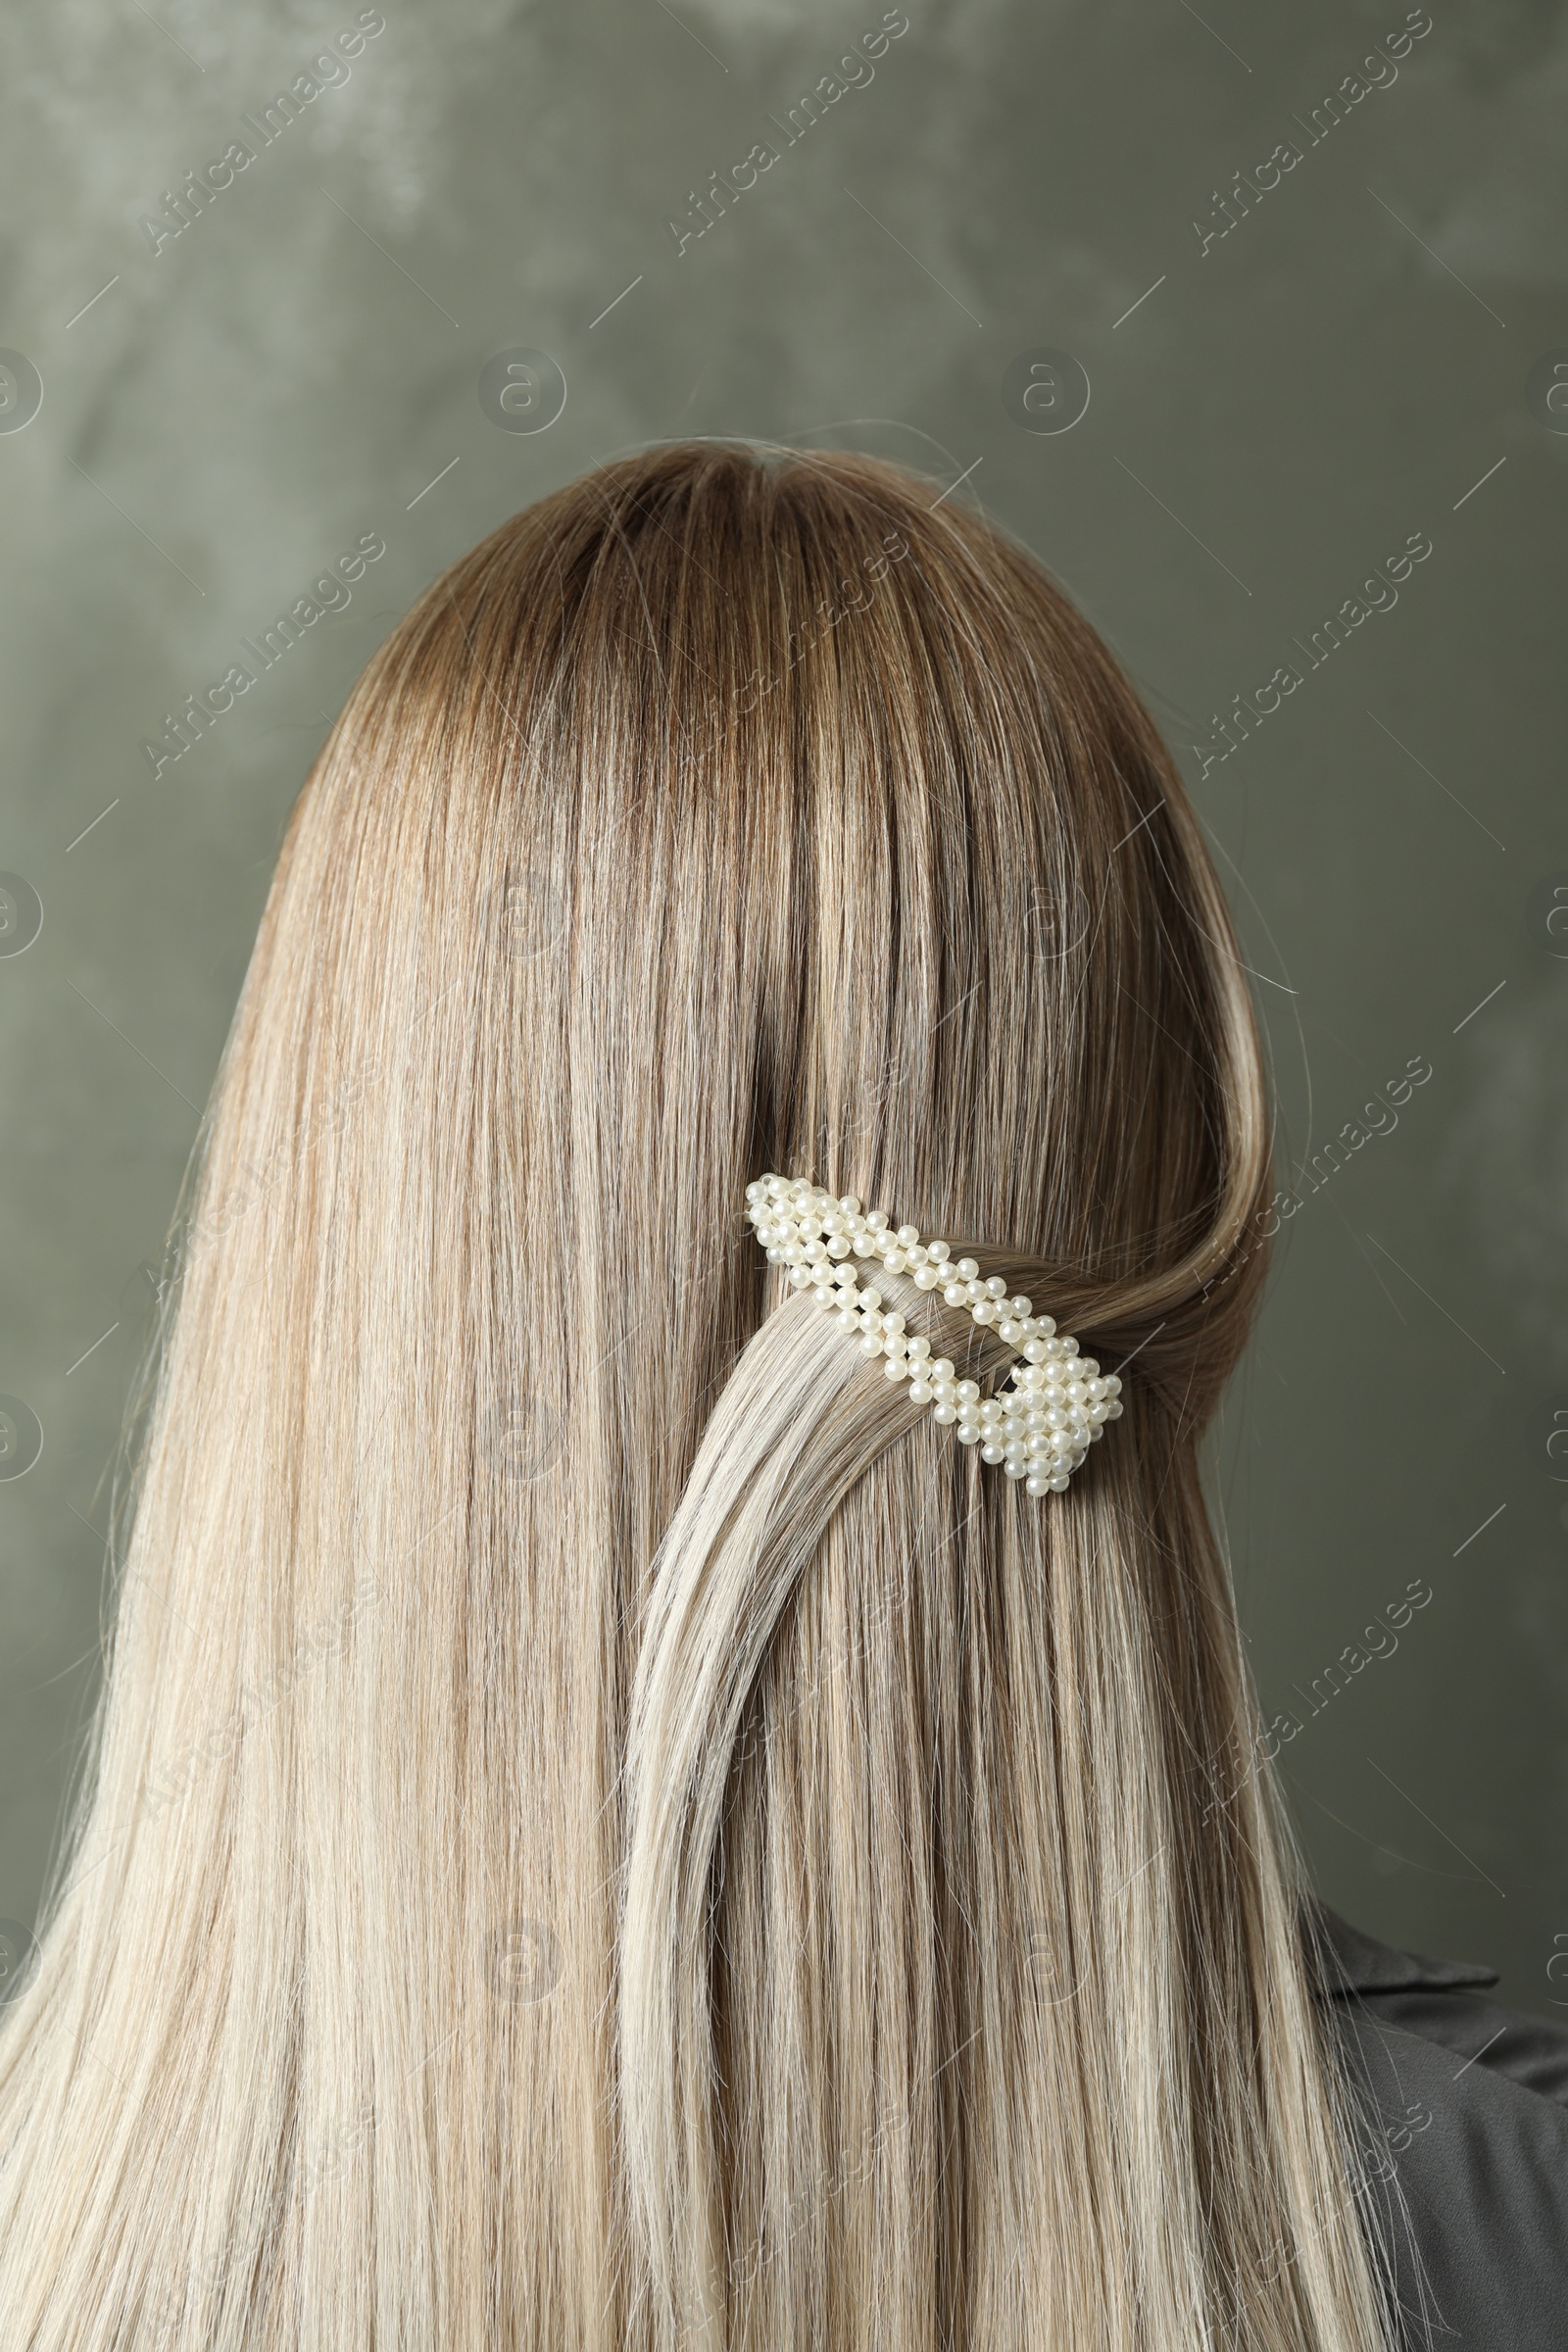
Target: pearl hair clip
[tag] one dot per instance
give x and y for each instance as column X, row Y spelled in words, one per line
column 1039, row 1431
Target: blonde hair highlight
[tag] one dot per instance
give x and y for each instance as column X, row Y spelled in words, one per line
column 607, row 1829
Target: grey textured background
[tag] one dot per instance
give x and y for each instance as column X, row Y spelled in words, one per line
column 1271, row 414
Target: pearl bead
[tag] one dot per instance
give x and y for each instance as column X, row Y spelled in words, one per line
column 921, row 1391
column 896, row 1368
column 967, row 1269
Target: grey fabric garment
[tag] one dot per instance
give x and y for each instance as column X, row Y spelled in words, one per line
column 1464, row 2142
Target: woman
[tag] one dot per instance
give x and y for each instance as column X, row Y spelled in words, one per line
column 612, row 1825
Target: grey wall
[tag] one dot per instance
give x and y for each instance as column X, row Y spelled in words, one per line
column 1273, row 411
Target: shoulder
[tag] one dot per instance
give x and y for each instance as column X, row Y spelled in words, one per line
column 1465, row 2114
column 1446, row 2001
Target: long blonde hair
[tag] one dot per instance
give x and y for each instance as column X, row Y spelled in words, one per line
column 607, row 1829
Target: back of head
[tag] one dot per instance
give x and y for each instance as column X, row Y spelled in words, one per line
column 607, row 1828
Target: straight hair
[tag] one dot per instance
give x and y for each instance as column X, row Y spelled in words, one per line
column 606, row 1829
